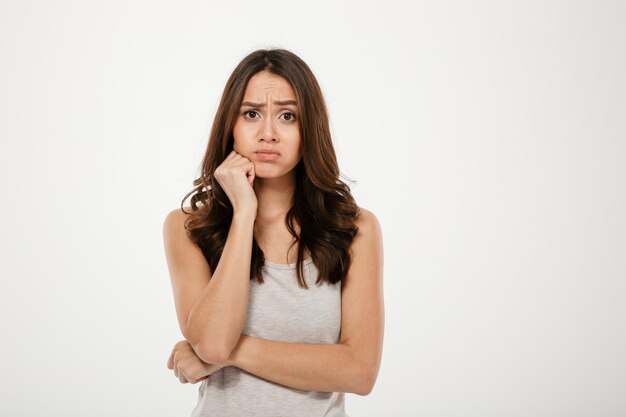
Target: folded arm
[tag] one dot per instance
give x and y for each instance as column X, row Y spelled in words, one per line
column 352, row 364
column 211, row 307
column 348, row 366
column 310, row 367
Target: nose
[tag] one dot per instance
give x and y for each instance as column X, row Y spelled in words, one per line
column 268, row 132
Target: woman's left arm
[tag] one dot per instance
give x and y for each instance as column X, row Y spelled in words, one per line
column 352, row 364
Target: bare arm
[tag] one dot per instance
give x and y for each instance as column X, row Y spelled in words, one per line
column 352, row 364
column 310, row 367
column 212, row 309
column 216, row 317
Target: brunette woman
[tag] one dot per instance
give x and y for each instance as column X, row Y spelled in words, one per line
column 277, row 274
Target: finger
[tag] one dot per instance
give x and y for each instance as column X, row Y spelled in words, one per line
column 182, row 378
column 200, row 379
column 236, row 161
column 244, row 158
column 170, row 361
column 242, row 164
column 251, row 174
column 231, row 155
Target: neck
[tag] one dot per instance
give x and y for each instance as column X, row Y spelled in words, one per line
column 274, row 196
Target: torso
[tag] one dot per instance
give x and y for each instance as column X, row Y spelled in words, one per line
column 274, row 239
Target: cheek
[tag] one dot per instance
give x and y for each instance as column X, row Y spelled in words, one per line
column 239, row 138
column 298, row 145
column 292, row 135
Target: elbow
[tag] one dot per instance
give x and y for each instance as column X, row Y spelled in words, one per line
column 366, row 379
column 213, row 353
column 366, row 387
column 210, row 353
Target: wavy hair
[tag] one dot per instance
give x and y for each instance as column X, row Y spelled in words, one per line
column 323, row 205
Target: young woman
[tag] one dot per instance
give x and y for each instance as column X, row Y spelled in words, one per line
column 277, row 274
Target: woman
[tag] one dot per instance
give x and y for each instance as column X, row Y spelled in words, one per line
column 276, row 272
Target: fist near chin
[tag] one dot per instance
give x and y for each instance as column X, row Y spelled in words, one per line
column 236, row 177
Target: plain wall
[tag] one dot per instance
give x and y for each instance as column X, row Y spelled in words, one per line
column 489, row 138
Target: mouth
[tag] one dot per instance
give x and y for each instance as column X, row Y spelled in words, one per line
column 265, row 155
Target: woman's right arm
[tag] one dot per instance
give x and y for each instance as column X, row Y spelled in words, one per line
column 212, row 309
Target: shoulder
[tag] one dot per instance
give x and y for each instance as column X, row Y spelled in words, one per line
column 369, row 237
column 174, row 223
column 367, row 222
column 178, row 214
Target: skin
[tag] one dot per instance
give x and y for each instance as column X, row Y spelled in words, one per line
column 270, row 126
column 262, row 190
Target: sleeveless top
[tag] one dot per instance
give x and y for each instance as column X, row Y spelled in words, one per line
column 279, row 309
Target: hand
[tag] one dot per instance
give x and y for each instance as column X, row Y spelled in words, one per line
column 236, row 177
column 187, row 366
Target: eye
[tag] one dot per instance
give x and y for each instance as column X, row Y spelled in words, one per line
column 289, row 116
column 247, row 113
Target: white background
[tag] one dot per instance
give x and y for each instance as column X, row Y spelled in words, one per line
column 488, row 137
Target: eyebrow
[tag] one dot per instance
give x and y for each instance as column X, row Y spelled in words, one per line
column 280, row 103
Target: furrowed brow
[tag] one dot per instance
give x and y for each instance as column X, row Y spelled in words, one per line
column 280, row 103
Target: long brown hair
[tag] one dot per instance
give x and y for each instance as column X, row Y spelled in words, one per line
column 323, row 205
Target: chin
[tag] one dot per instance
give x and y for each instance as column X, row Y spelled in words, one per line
column 269, row 173
column 267, row 176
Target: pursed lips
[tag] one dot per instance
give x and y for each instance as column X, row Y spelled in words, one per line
column 267, row 155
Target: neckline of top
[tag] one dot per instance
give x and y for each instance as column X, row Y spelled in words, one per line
column 287, row 266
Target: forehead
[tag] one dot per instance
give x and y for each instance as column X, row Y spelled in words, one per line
column 263, row 83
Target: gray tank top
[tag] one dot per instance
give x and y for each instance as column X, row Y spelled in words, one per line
column 279, row 310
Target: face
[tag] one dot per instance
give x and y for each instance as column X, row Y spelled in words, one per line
column 266, row 130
